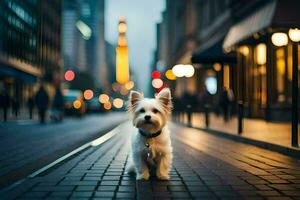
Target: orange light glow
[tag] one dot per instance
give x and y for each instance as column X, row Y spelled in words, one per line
column 170, row 75
column 122, row 27
column 88, row 94
column 107, row 106
column 129, row 85
column 103, row 98
column 77, row 104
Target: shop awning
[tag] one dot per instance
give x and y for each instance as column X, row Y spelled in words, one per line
column 277, row 14
column 212, row 52
column 17, row 74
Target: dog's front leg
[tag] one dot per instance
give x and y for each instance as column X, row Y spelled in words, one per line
column 163, row 167
column 142, row 171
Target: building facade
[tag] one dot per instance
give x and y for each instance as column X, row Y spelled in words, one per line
column 29, row 46
column 264, row 69
column 83, row 39
column 230, row 41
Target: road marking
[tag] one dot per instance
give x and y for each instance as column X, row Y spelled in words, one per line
column 93, row 143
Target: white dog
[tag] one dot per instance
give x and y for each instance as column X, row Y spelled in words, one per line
column 150, row 142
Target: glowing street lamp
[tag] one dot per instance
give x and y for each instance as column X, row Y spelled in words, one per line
column 294, row 35
column 279, row 39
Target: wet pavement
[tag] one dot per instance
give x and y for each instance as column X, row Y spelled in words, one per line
column 26, row 146
column 204, row 167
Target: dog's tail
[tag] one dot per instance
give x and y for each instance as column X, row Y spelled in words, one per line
column 130, row 169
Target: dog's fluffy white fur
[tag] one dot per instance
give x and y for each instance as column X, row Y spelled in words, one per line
column 150, row 116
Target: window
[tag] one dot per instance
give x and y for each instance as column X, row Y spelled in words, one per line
column 280, row 74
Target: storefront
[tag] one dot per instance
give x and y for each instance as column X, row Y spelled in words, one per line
column 264, row 68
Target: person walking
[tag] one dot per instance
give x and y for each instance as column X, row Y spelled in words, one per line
column 30, row 105
column 42, row 102
column 57, row 106
column 224, row 104
column 4, row 103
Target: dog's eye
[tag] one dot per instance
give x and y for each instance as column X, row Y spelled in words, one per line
column 142, row 110
column 155, row 111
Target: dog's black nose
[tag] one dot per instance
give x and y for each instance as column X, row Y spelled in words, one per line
column 147, row 117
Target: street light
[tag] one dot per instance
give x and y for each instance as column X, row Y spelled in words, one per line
column 294, row 35
column 281, row 39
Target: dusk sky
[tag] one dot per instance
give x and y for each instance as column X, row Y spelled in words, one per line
column 141, row 17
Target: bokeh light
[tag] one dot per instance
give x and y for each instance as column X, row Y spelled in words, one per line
column 122, row 27
column 118, row 103
column 155, row 74
column 189, row 70
column 178, row 70
column 88, row 94
column 129, row 85
column 157, row 83
column 103, row 98
column 217, row 67
column 69, row 75
column 211, row 85
column 170, row 75
column 107, row 106
column 77, row 104
column 123, row 91
column 279, row 39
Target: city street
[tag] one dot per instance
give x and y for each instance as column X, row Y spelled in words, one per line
column 204, row 167
column 26, row 146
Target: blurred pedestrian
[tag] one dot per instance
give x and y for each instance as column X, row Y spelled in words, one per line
column 15, row 106
column 4, row 103
column 42, row 102
column 225, row 101
column 57, row 105
column 30, row 105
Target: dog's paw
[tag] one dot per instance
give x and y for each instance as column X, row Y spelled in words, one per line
column 144, row 176
column 163, row 177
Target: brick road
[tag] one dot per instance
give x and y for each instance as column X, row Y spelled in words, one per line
column 205, row 167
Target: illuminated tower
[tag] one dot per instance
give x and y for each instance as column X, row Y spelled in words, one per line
column 122, row 63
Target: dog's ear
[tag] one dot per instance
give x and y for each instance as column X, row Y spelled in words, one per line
column 134, row 97
column 164, row 96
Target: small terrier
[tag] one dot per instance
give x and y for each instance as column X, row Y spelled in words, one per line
column 150, row 142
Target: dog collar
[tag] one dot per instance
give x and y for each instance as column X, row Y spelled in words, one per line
column 148, row 135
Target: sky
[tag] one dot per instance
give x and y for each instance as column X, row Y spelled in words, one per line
column 141, row 17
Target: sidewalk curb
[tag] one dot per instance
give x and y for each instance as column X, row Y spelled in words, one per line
column 289, row 151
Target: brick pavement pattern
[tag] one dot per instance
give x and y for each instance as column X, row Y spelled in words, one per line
column 204, row 167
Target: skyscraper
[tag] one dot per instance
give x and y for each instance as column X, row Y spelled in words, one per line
column 83, row 38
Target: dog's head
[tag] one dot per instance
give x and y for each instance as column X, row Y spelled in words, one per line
column 150, row 115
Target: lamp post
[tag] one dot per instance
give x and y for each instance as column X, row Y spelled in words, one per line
column 294, row 35
column 281, row 39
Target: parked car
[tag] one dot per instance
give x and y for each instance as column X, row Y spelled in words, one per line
column 74, row 104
